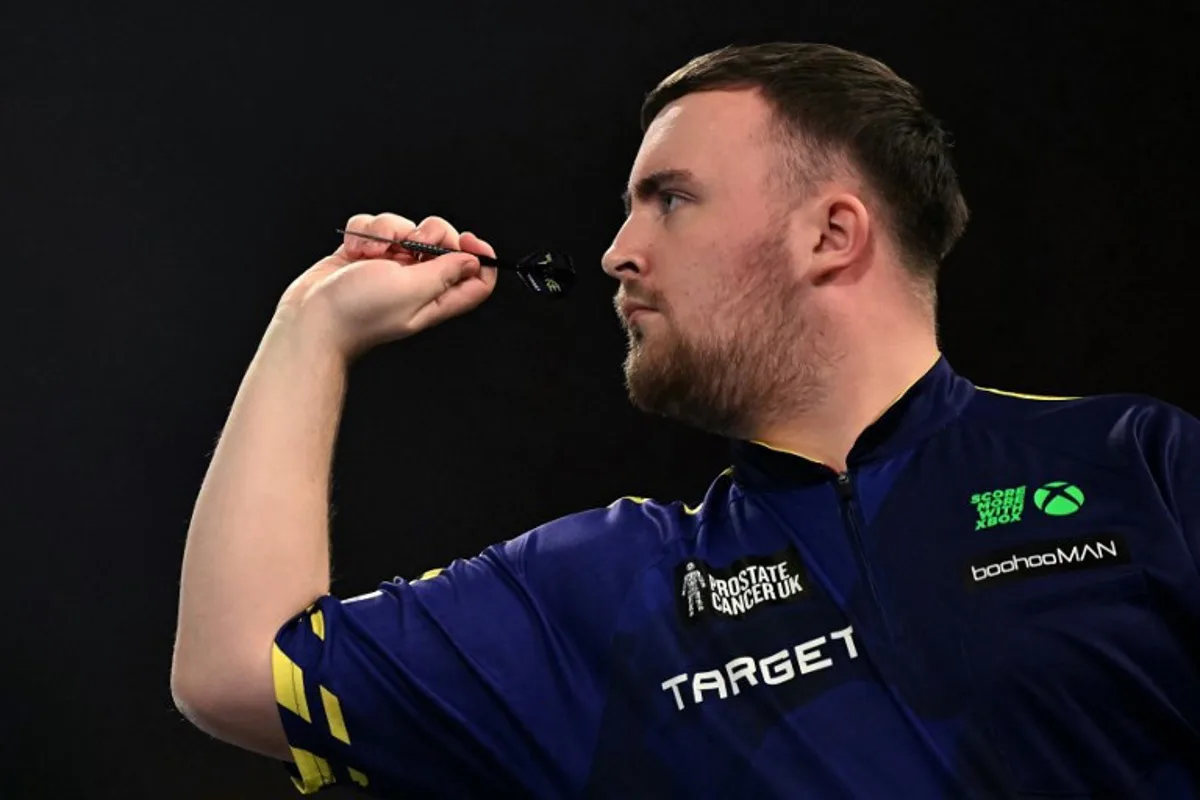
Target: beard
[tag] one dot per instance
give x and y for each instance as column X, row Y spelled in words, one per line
column 761, row 358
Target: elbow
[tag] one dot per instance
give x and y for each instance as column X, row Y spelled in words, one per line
column 234, row 705
column 203, row 705
column 198, row 694
column 192, row 700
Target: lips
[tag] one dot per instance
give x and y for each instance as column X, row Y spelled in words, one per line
column 628, row 309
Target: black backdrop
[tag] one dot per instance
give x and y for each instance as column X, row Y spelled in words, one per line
column 167, row 171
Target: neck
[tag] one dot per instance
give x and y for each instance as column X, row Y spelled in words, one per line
column 873, row 372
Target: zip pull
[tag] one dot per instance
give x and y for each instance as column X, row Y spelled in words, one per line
column 843, row 485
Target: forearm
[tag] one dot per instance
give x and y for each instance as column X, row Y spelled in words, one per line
column 257, row 548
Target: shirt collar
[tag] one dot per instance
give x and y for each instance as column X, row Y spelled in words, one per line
column 935, row 399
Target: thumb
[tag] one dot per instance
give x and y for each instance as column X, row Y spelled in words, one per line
column 455, row 269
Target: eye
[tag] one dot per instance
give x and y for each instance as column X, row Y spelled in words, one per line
column 664, row 200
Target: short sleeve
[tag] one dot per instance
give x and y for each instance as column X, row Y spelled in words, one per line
column 464, row 683
column 1169, row 440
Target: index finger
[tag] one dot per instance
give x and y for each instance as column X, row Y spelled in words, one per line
column 387, row 226
column 436, row 231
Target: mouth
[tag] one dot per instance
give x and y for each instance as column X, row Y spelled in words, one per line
column 636, row 313
column 630, row 311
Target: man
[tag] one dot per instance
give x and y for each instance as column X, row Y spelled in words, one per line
column 905, row 586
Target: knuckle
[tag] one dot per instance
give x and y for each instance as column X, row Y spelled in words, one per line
column 436, row 229
column 358, row 222
column 388, row 224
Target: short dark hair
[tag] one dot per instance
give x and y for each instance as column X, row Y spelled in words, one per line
column 829, row 102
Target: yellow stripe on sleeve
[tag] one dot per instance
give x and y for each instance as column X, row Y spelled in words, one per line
column 318, row 624
column 357, row 777
column 314, row 771
column 1023, row 396
column 431, row 573
column 333, row 713
column 289, row 683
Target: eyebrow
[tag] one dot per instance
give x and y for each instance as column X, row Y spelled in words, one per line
column 651, row 184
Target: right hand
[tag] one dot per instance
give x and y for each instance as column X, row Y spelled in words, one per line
column 367, row 293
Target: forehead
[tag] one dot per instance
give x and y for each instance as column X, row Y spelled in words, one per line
column 702, row 131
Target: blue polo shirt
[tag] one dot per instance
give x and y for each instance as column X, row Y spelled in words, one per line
column 999, row 597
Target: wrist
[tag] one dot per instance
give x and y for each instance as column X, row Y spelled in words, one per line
column 309, row 332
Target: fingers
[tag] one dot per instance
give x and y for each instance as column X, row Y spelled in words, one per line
column 454, row 269
column 456, row 283
column 463, row 285
column 436, row 287
column 388, row 226
column 391, row 226
column 471, row 243
column 432, row 230
column 436, row 231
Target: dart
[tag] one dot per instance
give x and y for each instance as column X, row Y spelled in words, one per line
column 543, row 272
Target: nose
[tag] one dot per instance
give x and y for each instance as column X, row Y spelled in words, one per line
column 622, row 256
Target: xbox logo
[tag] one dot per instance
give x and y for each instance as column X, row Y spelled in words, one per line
column 1058, row 498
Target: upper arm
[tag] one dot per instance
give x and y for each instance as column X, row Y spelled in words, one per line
column 485, row 679
column 420, row 687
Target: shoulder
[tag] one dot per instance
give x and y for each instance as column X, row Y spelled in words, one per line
column 629, row 534
column 1117, row 423
column 618, row 540
column 579, row 567
column 628, row 529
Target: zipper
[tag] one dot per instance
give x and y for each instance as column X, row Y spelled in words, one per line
column 845, row 489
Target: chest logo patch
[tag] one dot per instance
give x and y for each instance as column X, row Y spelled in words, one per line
column 1046, row 557
column 1058, row 498
column 705, row 592
column 998, row 507
column 1005, row 506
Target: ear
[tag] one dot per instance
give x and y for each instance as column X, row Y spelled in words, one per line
column 843, row 227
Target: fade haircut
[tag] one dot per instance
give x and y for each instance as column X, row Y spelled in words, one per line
column 832, row 106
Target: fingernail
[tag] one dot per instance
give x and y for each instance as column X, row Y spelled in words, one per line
column 417, row 235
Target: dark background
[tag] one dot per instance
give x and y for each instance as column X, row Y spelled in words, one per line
column 167, row 171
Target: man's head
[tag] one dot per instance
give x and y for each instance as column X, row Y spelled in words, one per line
column 779, row 189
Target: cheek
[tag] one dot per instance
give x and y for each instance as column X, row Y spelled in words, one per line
column 708, row 315
column 708, row 291
column 733, row 296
